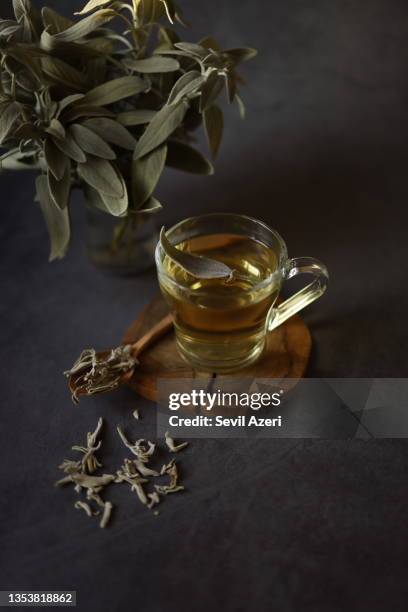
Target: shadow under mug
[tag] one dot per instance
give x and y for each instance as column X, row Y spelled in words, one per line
column 213, row 336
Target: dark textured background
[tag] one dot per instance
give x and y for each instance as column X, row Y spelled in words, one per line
column 281, row 525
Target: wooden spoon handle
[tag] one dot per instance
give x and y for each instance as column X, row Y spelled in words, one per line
column 152, row 335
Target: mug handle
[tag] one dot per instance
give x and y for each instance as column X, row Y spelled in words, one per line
column 304, row 297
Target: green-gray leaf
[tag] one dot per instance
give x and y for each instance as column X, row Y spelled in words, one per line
column 57, row 220
column 196, row 265
column 184, row 157
column 91, row 5
column 71, row 114
column 242, row 54
column 8, row 118
column 137, row 117
column 56, row 129
column 146, row 172
column 214, row 126
column 161, row 127
column 60, row 190
column 61, row 72
column 108, row 204
column 86, row 26
column 154, row 64
column 211, row 89
column 115, row 90
column 111, row 131
column 186, row 85
column 91, row 142
column 53, row 21
column 55, row 158
column 192, row 48
column 70, row 148
column 152, row 206
column 102, row 176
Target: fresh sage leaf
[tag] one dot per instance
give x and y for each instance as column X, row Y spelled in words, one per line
column 196, row 265
column 214, row 125
column 112, row 132
column 57, row 220
column 241, row 106
column 211, row 89
column 8, row 118
column 151, row 207
column 76, row 112
column 115, row 90
column 91, row 5
column 91, row 142
column 109, row 204
column 56, row 129
column 102, row 176
column 55, row 158
column 154, row 64
column 61, row 72
column 184, row 157
column 186, row 85
column 60, row 190
column 164, row 123
column 146, row 172
column 241, row 54
column 68, row 146
column 86, row 26
column 54, row 22
column 137, row 117
column 192, row 48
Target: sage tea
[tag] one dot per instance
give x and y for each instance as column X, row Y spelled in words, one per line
column 220, row 322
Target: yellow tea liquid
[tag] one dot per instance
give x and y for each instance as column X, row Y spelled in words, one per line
column 220, row 323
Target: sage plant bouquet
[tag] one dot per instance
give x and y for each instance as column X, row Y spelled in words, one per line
column 104, row 109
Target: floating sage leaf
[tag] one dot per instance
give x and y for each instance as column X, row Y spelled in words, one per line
column 184, row 157
column 196, row 265
column 90, row 142
column 146, row 172
column 214, row 125
column 101, row 175
column 57, row 220
column 111, row 131
column 164, row 123
column 115, row 90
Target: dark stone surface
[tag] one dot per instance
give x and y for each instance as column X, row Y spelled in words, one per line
column 280, row 525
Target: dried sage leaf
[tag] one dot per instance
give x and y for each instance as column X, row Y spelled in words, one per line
column 183, row 157
column 172, row 446
column 107, row 512
column 196, row 265
column 146, row 172
column 57, row 220
column 214, row 126
column 81, row 505
column 164, row 123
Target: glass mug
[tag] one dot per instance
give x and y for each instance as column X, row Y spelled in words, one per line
column 221, row 324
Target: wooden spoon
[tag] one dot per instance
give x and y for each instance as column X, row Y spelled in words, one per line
column 98, row 372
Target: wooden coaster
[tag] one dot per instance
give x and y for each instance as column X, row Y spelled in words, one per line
column 286, row 354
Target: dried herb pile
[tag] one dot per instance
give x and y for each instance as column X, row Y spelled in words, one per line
column 135, row 472
column 104, row 102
